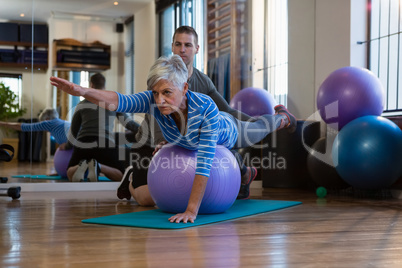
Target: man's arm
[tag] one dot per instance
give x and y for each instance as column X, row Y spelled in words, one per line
column 149, row 132
column 224, row 107
column 200, row 82
column 127, row 122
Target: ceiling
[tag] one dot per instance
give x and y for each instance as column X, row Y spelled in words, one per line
column 42, row 10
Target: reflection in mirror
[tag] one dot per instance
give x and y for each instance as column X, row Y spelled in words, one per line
column 76, row 59
column 17, row 71
column 50, row 42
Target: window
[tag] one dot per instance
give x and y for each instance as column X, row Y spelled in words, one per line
column 14, row 82
column 81, row 78
column 385, row 46
column 270, row 57
column 184, row 12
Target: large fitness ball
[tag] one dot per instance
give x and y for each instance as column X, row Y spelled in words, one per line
column 349, row 93
column 253, row 101
column 367, row 152
column 61, row 159
column 171, row 175
column 321, row 167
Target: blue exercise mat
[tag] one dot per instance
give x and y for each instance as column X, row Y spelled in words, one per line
column 158, row 219
column 46, row 177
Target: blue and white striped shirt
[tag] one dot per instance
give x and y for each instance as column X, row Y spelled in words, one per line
column 206, row 125
column 57, row 128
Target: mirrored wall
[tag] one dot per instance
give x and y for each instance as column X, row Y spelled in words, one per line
column 35, row 45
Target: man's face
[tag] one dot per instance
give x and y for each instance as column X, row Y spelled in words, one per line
column 184, row 46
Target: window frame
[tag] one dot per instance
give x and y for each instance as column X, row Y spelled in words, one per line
column 183, row 14
column 383, row 38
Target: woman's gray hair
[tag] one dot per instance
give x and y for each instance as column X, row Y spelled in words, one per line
column 48, row 114
column 170, row 68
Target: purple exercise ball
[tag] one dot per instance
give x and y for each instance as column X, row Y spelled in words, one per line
column 349, row 93
column 253, row 101
column 60, row 160
column 171, row 175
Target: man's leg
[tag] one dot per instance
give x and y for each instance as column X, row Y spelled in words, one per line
column 138, row 168
column 110, row 172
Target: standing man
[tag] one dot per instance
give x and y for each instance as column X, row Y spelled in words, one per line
column 185, row 44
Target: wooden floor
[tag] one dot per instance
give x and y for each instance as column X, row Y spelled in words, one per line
column 44, row 229
column 9, row 169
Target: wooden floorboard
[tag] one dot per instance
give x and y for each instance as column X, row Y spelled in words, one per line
column 44, row 229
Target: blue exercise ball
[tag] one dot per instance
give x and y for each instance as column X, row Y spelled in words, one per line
column 349, row 93
column 367, row 152
column 253, row 101
column 171, row 175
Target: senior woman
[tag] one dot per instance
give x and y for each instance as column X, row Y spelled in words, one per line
column 187, row 119
column 49, row 121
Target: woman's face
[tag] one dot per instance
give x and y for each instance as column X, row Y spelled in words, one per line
column 169, row 98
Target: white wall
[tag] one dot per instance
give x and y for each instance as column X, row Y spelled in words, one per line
column 144, row 45
column 301, row 60
column 332, row 38
column 322, row 38
column 34, row 84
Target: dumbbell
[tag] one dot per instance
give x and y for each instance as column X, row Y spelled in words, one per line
column 13, row 192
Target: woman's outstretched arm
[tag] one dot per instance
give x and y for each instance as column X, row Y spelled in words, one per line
column 103, row 98
column 16, row 126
